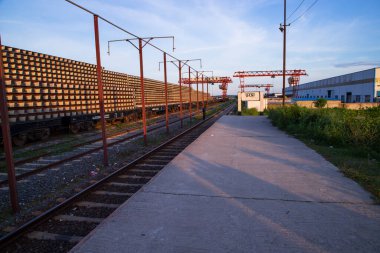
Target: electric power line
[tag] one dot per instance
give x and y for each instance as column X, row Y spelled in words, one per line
column 295, row 9
column 311, row 6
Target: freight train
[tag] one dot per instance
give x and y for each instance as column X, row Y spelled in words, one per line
column 46, row 92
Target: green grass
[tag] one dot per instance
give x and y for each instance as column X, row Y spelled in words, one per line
column 333, row 126
column 347, row 138
column 361, row 166
column 249, row 112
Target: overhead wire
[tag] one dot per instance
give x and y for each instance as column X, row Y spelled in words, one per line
column 291, row 14
column 311, row 6
column 134, row 35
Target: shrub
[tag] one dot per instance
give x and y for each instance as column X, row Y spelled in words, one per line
column 334, row 126
column 249, row 112
column 320, row 103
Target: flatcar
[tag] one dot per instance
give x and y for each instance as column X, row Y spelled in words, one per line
column 45, row 92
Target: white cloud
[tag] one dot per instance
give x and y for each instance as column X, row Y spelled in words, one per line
column 228, row 35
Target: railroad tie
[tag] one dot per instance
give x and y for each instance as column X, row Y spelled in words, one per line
column 87, row 148
column 133, row 177
column 54, row 237
column 94, row 204
column 164, row 156
column 124, row 184
column 158, row 160
column 44, row 160
column 113, row 193
column 172, row 149
column 26, row 169
column 33, row 164
column 77, row 218
column 137, row 170
column 149, row 165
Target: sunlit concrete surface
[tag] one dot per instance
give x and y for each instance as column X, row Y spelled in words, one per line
column 243, row 186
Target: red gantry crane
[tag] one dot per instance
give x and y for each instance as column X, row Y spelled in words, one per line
column 293, row 80
column 224, row 81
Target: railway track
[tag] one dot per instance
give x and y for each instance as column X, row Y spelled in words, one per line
column 43, row 149
column 61, row 227
column 43, row 162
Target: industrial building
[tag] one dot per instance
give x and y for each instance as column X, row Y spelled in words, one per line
column 362, row 86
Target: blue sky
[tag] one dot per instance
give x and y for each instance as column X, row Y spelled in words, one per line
column 335, row 37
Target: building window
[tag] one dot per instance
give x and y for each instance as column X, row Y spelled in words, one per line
column 357, row 98
column 367, row 98
column 348, row 97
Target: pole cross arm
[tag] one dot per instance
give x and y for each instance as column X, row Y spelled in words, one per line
column 145, row 39
column 194, row 73
column 206, row 71
column 184, row 62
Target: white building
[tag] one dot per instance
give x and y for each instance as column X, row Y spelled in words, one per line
column 362, row 86
column 252, row 99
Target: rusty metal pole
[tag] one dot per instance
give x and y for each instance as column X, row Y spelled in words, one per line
column 197, row 94
column 180, row 92
column 190, row 105
column 100, row 91
column 166, row 96
column 284, row 58
column 203, row 98
column 203, row 101
column 7, row 139
column 207, row 96
column 142, row 90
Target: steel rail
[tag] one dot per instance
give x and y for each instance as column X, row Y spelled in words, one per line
column 122, row 131
column 12, row 236
column 73, row 157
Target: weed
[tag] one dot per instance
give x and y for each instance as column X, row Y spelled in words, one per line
column 249, row 112
column 347, row 138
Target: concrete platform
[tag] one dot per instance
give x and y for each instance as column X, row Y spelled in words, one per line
column 243, row 186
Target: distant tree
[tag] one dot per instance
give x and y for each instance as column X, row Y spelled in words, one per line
column 320, row 103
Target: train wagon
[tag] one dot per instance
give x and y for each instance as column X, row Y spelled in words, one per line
column 45, row 92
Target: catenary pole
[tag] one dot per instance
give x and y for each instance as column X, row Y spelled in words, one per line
column 7, row 141
column 100, row 91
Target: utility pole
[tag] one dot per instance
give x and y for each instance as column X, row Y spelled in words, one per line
column 284, row 57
